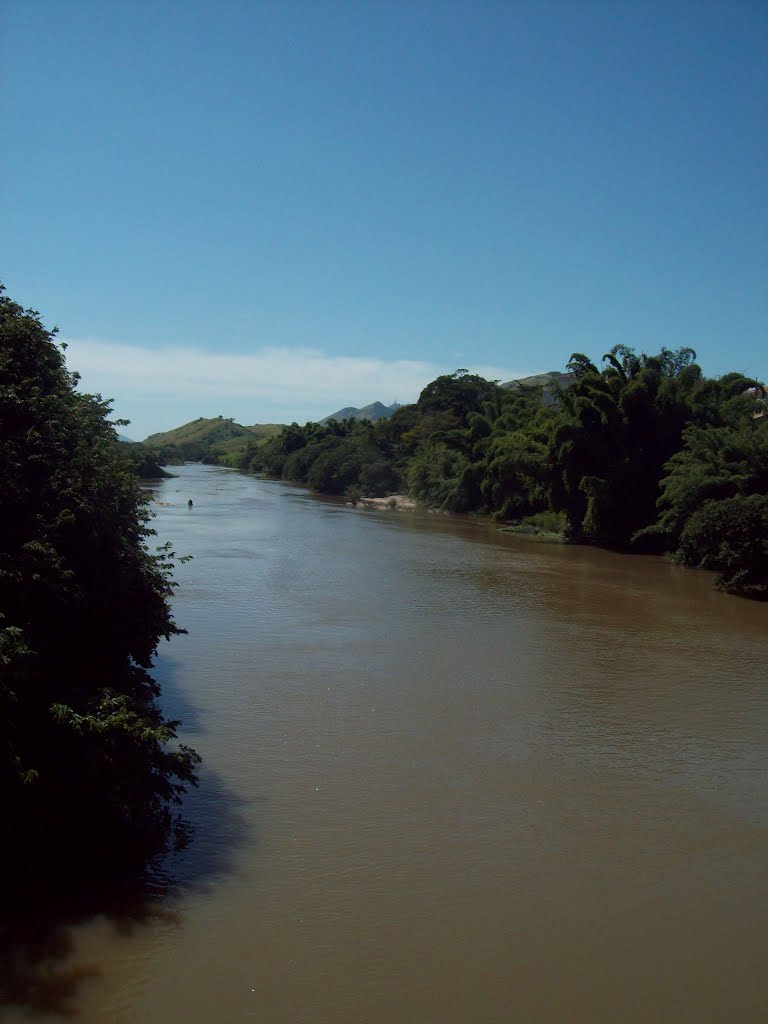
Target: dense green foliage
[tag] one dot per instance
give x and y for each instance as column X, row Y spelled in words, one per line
column 645, row 454
column 142, row 461
column 88, row 764
column 714, row 499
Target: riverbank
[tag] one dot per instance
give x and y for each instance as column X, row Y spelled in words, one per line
column 393, row 502
column 545, row 526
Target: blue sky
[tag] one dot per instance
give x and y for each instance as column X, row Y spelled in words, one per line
column 270, row 210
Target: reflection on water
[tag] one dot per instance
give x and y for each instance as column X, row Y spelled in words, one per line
column 459, row 777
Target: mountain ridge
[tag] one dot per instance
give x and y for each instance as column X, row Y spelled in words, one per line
column 373, row 411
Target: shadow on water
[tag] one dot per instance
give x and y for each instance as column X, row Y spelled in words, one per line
column 40, row 972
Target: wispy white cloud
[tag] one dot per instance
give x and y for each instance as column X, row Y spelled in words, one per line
column 300, row 374
column 159, row 388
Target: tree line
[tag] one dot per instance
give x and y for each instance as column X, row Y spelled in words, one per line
column 89, row 766
column 641, row 453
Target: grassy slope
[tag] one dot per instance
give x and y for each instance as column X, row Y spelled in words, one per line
column 210, row 437
column 208, row 431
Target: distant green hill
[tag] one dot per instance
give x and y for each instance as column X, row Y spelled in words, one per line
column 374, row 411
column 208, row 440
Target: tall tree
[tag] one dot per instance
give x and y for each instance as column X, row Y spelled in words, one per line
column 616, row 431
column 88, row 762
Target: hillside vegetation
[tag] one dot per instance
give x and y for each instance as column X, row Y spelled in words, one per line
column 142, row 461
column 643, row 454
column 208, row 440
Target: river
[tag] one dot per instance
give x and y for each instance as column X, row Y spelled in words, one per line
column 451, row 777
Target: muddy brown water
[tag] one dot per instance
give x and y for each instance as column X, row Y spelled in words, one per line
column 450, row 776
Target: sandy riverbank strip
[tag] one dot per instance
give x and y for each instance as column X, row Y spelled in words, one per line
column 395, row 503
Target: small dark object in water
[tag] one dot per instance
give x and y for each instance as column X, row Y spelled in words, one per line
column 189, row 503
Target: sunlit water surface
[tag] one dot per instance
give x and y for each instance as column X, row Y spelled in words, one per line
column 450, row 776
